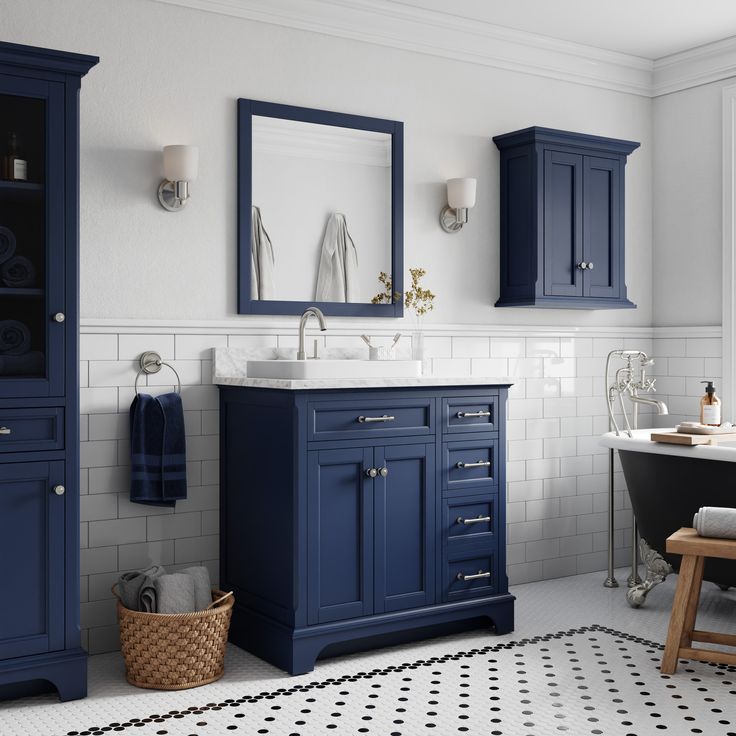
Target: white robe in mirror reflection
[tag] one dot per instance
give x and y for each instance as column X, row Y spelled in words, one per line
column 261, row 258
column 338, row 263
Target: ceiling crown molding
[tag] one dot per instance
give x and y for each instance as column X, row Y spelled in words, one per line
column 701, row 65
column 406, row 27
column 391, row 23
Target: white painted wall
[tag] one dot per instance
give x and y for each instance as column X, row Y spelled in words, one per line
column 172, row 75
column 687, row 186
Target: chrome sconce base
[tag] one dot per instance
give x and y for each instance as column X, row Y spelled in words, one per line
column 173, row 195
column 452, row 220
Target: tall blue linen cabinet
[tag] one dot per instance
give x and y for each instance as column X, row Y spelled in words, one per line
column 39, row 372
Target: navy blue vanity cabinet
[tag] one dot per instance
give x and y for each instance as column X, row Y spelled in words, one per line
column 40, row 645
column 562, row 220
column 335, row 534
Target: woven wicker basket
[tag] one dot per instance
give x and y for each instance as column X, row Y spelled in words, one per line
column 175, row 651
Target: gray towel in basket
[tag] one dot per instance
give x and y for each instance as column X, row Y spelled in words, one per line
column 715, row 521
column 136, row 589
column 175, row 593
column 202, row 586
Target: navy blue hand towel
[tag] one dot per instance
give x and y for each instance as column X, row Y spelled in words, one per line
column 157, row 450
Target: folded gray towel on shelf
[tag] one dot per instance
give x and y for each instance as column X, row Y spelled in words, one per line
column 136, row 589
column 202, row 586
column 716, row 521
column 175, row 593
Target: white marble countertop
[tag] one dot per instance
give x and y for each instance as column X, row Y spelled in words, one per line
column 229, row 368
column 640, row 442
column 325, row 383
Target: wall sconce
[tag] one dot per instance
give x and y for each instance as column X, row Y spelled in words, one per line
column 180, row 167
column 460, row 198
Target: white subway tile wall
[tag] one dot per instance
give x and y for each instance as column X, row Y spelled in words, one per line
column 557, row 473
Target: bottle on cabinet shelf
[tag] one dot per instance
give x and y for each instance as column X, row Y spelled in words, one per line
column 15, row 167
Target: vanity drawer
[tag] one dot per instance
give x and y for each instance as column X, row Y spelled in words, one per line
column 344, row 420
column 472, row 518
column 30, row 430
column 469, row 414
column 471, row 574
column 470, row 464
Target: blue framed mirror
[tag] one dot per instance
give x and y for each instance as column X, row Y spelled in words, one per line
column 320, row 211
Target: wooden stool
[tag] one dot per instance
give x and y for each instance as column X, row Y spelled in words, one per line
column 682, row 633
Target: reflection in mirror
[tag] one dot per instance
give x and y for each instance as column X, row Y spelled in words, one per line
column 320, row 210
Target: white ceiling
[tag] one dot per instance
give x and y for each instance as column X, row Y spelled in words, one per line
column 647, row 28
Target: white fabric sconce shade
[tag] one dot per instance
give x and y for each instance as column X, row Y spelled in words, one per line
column 460, row 198
column 181, row 165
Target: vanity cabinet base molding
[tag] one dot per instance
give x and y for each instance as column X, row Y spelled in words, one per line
column 334, row 526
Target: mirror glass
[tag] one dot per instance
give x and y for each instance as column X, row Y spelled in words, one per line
column 322, row 211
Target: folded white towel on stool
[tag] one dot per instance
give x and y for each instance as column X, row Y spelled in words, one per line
column 715, row 521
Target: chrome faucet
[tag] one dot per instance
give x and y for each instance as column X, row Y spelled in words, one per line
column 301, row 354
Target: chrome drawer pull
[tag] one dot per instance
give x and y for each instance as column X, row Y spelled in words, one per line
column 384, row 418
column 466, row 414
column 476, row 520
column 480, row 464
column 5, row 430
column 480, row 574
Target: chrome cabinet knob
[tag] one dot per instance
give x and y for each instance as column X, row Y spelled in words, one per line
column 371, row 473
column 383, row 472
column 59, row 317
column 590, row 266
column 583, row 265
column 5, row 430
column 59, row 490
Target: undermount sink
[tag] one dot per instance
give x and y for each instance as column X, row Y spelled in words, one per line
column 316, row 369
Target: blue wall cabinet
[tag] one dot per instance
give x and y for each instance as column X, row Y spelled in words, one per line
column 562, row 220
column 335, row 533
column 39, row 373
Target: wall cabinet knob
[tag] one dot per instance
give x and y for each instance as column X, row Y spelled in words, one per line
column 59, row 490
column 582, row 265
column 371, row 473
column 383, row 472
column 590, row 266
column 59, row 317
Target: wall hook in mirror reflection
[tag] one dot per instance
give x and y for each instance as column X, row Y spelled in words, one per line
column 460, row 198
column 180, row 167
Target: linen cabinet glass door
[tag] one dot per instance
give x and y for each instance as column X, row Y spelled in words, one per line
column 32, row 263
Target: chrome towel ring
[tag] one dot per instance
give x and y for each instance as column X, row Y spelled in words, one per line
column 150, row 362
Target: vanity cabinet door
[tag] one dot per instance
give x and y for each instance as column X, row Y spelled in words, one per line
column 340, row 534
column 404, row 527
column 32, row 546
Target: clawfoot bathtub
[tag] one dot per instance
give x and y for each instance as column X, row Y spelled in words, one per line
column 667, row 485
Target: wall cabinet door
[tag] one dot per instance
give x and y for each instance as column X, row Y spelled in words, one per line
column 32, row 238
column 602, row 227
column 563, row 224
column 340, row 534
column 32, row 546
column 404, row 527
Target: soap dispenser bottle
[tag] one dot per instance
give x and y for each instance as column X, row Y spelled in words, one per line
column 710, row 407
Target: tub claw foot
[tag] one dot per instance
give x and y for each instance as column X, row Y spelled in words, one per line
column 657, row 570
column 724, row 588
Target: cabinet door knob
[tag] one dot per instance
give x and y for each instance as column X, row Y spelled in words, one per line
column 583, row 265
column 590, row 266
column 59, row 490
column 5, row 430
column 383, row 472
column 59, row 317
column 371, row 473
